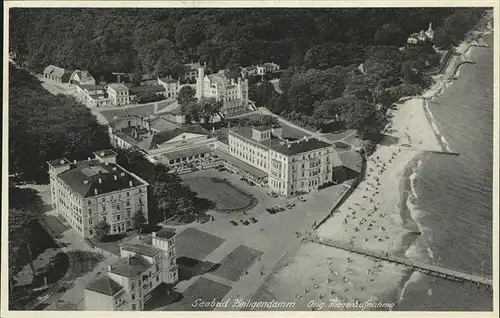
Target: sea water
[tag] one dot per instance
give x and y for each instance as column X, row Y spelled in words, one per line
column 451, row 197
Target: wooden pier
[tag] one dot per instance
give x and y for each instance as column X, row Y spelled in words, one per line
column 428, row 269
column 444, row 152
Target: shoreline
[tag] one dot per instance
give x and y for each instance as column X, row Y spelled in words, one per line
column 388, row 187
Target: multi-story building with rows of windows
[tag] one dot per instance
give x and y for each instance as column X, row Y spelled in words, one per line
column 232, row 93
column 291, row 166
column 145, row 263
column 89, row 191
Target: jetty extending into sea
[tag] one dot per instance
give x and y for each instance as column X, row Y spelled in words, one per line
column 428, row 269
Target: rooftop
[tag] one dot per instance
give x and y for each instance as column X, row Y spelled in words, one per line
column 147, row 89
column 104, row 285
column 166, row 233
column 140, row 248
column 166, row 135
column 141, row 111
column 132, row 266
column 85, row 177
column 303, row 145
column 59, row 162
column 90, row 87
column 261, row 128
column 105, row 153
column 118, row 87
column 168, row 80
column 186, row 152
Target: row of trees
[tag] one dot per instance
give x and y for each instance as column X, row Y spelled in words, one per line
column 167, row 196
column 159, row 41
column 44, row 127
column 25, row 210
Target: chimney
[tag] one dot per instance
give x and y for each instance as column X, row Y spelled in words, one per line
column 288, row 145
column 102, row 153
column 153, row 234
column 85, row 181
column 62, row 161
column 95, row 191
column 88, row 159
column 122, row 174
column 100, row 180
column 114, row 168
column 74, row 161
column 116, row 178
column 130, row 183
column 110, row 268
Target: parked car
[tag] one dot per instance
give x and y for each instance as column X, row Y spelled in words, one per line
column 301, row 199
column 243, row 179
column 221, row 169
column 280, row 209
column 272, row 194
column 271, row 210
column 233, row 223
column 253, row 220
column 250, row 183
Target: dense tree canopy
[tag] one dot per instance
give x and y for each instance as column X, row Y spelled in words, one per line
column 44, row 127
column 160, row 40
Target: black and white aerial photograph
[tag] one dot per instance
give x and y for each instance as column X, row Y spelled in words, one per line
column 186, row 156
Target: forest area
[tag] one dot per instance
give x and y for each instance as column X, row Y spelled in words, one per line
column 320, row 51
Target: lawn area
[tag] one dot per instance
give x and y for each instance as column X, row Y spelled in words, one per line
column 341, row 145
column 234, row 265
column 225, row 195
column 204, row 289
column 196, row 244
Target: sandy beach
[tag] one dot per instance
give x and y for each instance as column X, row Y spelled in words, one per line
column 373, row 217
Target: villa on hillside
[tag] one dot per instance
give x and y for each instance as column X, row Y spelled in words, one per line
column 259, row 69
column 81, row 78
column 57, row 74
column 191, row 71
column 233, row 94
column 422, row 37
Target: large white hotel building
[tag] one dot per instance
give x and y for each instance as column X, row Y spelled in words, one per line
column 291, row 167
column 89, row 191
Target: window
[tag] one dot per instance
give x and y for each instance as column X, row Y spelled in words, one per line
column 90, row 221
column 128, row 194
column 133, row 306
column 90, row 202
column 133, row 296
column 157, row 278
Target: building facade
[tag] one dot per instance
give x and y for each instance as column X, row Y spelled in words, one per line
column 422, row 37
column 233, row 94
column 118, row 94
column 87, row 192
column 81, row 77
column 291, row 166
column 145, row 263
column 172, row 86
column 56, row 74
